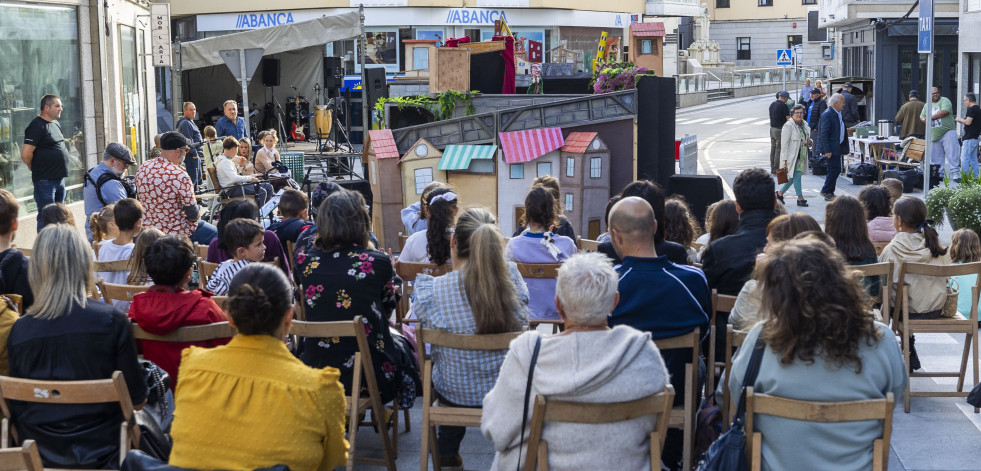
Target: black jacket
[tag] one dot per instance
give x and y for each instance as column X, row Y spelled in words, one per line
column 729, row 261
column 676, row 252
column 13, row 276
column 819, row 108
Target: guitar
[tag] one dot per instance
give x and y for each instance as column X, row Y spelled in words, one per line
column 296, row 129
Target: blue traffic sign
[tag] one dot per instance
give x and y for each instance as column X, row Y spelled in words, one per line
column 924, row 41
column 785, row 57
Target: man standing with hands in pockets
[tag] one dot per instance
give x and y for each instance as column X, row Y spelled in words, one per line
column 46, row 155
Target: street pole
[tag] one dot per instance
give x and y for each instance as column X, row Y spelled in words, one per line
column 925, row 46
column 245, row 90
column 783, row 76
column 365, row 106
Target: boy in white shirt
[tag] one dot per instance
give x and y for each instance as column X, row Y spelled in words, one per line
column 128, row 215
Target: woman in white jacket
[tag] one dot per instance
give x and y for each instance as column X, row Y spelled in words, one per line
column 794, row 140
column 588, row 362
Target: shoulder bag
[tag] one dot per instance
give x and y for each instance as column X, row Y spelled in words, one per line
column 728, row 452
column 524, row 413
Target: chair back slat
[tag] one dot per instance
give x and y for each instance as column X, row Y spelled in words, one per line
column 201, row 250
column 95, row 391
column 116, row 292
column 408, row 271
column 925, row 269
column 194, row 333
column 467, row 342
column 26, row 457
column 205, row 270
column 115, row 265
column 539, row 270
column 323, row 329
column 690, row 340
column 587, row 245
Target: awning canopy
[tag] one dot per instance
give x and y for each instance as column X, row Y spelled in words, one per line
column 458, row 157
column 275, row 39
column 528, row 145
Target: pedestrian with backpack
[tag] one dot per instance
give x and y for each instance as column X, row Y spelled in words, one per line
column 104, row 184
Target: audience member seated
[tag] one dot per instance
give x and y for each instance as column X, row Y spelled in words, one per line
column 66, row 337
column 57, row 213
column 432, row 245
column 219, row 252
column 587, row 362
column 563, row 227
column 721, row 219
column 293, row 207
column 137, row 266
column 680, row 226
column 878, row 210
column 895, row 187
column 102, row 224
column 244, row 164
column 484, row 294
column 414, row 216
column 654, row 195
column 845, row 222
column 657, row 296
column 128, row 216
column 168, row 305
column 343, row 276
column 234, row 184
column 13, row 263
column 605, row 237
column 251, row 404
column 244, row 238
column 746, row 311
column 965, row 248
column 818, row 348
column 211, row 147
column 267, row 154
column 538, row 244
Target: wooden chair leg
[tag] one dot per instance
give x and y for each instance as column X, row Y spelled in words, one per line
column 906, row 355
column 689, row 416
column 434, row 448
column 395, row 427
column 877, row 456
column 408, row 423
column 974, row 356
column 964, row 358
column 756, row 459
column 543, row 456
column 655, row 451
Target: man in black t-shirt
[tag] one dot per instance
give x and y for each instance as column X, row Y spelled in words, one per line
column 972, row 128
column 779, row 114
column 46, row 155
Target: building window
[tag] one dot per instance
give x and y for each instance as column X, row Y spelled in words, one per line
column 646, row 45
column 133, row 133
column 794, row 40
column 570, row 167
column 481, row 166
column 595, row 167
column 809, row 2
column 517, row 171
column 721, row 3
column 423, row 176
column 766, row 3
column 743, row 49
column 544, row 168
column 568, row 202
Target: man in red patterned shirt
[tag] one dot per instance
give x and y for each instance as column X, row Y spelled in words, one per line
column 167, row 193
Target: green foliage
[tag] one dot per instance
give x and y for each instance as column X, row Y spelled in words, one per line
column 617, row 76
column 441, row 105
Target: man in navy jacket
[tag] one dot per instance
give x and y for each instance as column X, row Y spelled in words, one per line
column 832, row 142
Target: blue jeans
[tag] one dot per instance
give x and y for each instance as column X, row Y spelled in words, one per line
column 193, row 166
column 969, row 156
column 204, row 234
column 47, row 192
column 834, row 169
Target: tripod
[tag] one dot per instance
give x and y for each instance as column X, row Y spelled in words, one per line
column 279, row 117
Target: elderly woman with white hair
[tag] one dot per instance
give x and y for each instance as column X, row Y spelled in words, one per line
column 587, row 362
column 67, row 336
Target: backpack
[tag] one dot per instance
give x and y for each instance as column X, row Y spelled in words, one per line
column 128, row 186
column 708, row 424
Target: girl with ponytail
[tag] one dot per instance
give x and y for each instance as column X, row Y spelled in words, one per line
column 917, row 241
column 484, row 294
column 432, row 245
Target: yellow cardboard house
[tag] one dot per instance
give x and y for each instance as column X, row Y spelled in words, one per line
column 420, row 167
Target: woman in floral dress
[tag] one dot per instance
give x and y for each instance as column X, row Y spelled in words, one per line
column 343, row 277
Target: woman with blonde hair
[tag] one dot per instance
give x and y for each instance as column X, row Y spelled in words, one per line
column 245, row 167
column 267, row 154
column 137, row 266
column 67, row 336
column 484, row 294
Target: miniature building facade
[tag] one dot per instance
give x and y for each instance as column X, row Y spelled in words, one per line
column 419, row 167
column 527, row 155
column 646, row 46
column 585, row 182
column 472, row 171
column 382, row 157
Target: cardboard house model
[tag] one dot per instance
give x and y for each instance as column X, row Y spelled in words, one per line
column 420, row 167
column 647, row 46
column 382, row 157
column 527, row 155
column 472, row 171
column 585, row 182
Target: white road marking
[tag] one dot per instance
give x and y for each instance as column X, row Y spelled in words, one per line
column 741, row 121
column 699, row 120
column 762, row 121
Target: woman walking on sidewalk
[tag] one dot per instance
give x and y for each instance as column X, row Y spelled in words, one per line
column 795, row 140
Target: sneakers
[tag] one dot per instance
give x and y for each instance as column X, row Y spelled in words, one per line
column 828, row 196
column 780, row 198
column 802, row 203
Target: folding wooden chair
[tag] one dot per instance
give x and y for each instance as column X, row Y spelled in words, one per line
column 114, row 292
column 734, row 340
column 222, row 302
column 205, row 270
column 884, row 271
column 824, row 412
column 113, row 266
column 684, row 418
column 402, row 239
column 598, row 413
column 720, row 303
column 201, row 250
column 547, row 271
column 433, row 415
column 357, row 405
column 959, row 324
column 586, row 245
column 194, row 333
column 408, row 272
column 26, row 457
column 96, row 391
column 290, row 249
column 879, row 246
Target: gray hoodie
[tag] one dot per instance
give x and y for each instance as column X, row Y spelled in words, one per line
column 615, row 365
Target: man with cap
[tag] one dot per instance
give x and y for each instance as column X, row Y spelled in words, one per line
column 815, row 108
column 103, row 183
column 167, row 193
column 779, row 114
column 850, row 112
column 908, row 117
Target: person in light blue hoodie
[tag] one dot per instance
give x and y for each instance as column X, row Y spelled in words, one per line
column 414, row 216
column 965, row 247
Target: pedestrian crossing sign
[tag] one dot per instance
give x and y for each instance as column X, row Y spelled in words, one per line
column 785, row 57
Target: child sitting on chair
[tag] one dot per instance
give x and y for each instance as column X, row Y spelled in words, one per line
column 128, row 215
column 244, row 237
column 293, row 206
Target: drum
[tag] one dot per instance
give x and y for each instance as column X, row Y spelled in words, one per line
column 322, row 119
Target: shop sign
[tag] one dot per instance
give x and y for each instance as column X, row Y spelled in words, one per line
column 160, row 34
column 263, row 20
column 474, row 16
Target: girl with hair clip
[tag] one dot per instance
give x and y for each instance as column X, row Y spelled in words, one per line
column 484, row 294
column 721, row 219
column 965, row 247
column 137, row 265
column 103, row 224
column 414, row 216
column 537, row 244
column 432, row 244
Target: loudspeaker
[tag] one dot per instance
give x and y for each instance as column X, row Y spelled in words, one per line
column 655, row 129
column 333, row 73
column 361, row 186
column 700, row 191
column 270, row 72
column 377, row 86
column 291, row 109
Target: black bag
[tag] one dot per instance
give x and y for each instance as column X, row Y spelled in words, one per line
column 862, row 173
column 728, row 453
column 819, row 164
column 708, row 424
column 156, row 416
column 908, row 179
column 974, row 398
column 129, row 185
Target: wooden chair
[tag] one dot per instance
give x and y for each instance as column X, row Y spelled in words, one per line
column 113, row 266
column 194, row 333
column 95, row 249
column 402, row 239
column 879, row 246
column 290, row 249
column 222, row 302
column 598, row 413
column 911, row 158
column 884, row 271
column 586, row 245
column 71, row 392
column 433, row 415
column 546, row 271
column 823, row 412
column 114, row 292
column 959, row 324
column 734, row 340
column 201, row 250
column 18, row 301
column 357, row 405
column 408, row 272
column 720, row 303
column 684, row 418
column 26, row 457
column 205, row 270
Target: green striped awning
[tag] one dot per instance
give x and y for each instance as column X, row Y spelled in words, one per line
column 458, row 157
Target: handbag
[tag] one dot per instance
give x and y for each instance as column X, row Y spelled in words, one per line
column 950, row 304
column 156, row 416
column 728, row 452
column 524, row 414
column 782, row 176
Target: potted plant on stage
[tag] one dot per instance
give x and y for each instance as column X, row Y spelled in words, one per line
column 961, row 204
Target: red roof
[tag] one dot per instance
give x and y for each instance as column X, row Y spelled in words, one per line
column 578, row 142
column 647, row 30
column 383, row 143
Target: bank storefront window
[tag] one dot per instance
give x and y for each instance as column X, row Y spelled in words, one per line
column 38, row 56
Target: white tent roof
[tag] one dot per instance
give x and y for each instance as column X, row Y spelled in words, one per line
column 204, row 52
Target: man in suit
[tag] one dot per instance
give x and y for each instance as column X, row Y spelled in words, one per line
column 832, row 142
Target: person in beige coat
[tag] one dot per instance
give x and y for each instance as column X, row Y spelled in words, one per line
column 917, row 242
column 794, row 141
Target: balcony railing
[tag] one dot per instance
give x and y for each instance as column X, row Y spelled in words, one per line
column 706, row 81
column 674, row 7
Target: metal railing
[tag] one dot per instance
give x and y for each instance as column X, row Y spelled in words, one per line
column 706, row 81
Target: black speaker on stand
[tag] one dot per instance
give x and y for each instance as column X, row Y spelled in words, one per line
column 377, row 86
column 333, row 73
column 700, row 191
column 270, row 72
column 655, row 129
